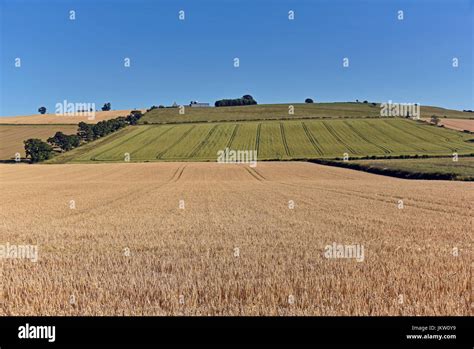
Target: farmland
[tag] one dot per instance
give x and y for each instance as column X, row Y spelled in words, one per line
column 275, row 140
column 236, row 248
column 457, row 124
column 12, row 137
column 50, row 119
column 462, row 169
column 282, row 111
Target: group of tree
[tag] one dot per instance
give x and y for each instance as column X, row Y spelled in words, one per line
column 308, row 100
column 37, row 150
column 64, row 142
column 133, row 117
column 245, row 100
column 89, row 132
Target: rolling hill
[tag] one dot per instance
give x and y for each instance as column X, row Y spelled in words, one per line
column 281, row 111
column 274, row 140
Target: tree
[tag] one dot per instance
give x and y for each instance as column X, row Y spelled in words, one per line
column 37, row 150
column 85, row 131
column 42, row 110
column 106, row 107
column 366, row 102
column 64, row 142
column 308, row 100
column 435, row 119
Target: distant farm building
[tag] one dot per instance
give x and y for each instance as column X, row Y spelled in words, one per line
column 196, row 104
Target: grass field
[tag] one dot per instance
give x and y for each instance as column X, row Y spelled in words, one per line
column 281, row 111
column 275, row 140
column 12, row 137
column 463, row 169
column 184, row 261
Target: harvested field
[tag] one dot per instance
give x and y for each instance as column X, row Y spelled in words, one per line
column 12, row 137
column 237, row 248
column 38, row 119
column 457, row 124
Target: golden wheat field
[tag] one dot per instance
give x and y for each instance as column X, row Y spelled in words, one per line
column 242, row 242
column 40, row 119
column 456, row 124
column 13, row 136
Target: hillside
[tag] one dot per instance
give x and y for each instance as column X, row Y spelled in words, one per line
column 274, row 140
column 281, row 111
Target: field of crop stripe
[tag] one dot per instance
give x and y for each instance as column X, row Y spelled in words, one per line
column 204, row 141
column 231, row 139
column 283, row 138
column 358, row 133
column 160, row 154
column 257, row 138
column 216, row 142
column 311, row 138
column 337, row 137
column 417, row 136
column 386, row 134
column 440, row 132
column 245, row 137
column 111, row 146
column 163, row 132
column 273, row 140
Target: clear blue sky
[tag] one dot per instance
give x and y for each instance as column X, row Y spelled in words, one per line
column 280, row 60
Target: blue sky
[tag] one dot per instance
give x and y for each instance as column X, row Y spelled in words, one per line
column 280, row 60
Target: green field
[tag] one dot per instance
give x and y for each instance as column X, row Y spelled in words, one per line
column 463, row 169
column 281, row 111
column 274, row 140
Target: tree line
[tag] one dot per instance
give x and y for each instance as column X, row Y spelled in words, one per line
column 245, row 100
column 38, row 150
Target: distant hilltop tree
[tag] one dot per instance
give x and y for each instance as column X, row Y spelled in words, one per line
column 308, row 100
column 151, row 108
column 42, row 110
column 245, row 100
column 106, row 107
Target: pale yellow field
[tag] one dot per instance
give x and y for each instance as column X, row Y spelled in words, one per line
column 63, row 119
column 12, row 137
column 184, row 261
column 457, row 124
